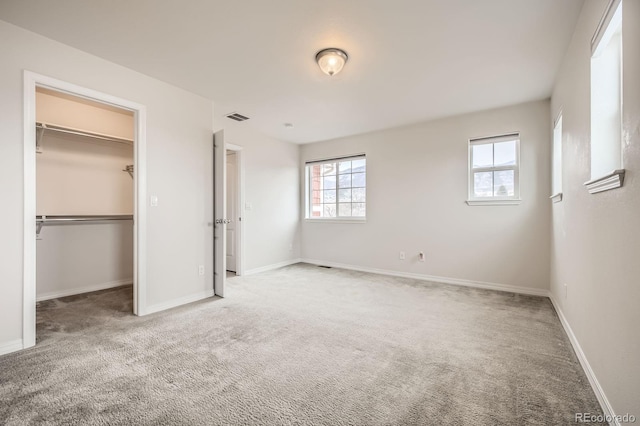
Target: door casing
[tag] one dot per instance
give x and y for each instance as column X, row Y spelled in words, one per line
column 31, row 81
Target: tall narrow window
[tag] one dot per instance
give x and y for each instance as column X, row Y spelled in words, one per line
column 606, row 99
column 494, row 170
column 557, row 161
column 336, row 188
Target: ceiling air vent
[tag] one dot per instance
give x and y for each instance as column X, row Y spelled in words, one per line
column 237, row 117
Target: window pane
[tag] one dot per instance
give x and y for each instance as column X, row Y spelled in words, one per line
column 344, row 209
column 358, row 209
column 503, row 183
column 344, row 195
column 557, row 157
column 329, row 182
column 359, row 165
column 315, row 170
column 329, row 196
column 344, row 181
column 359, row 194
column 482, row 155
column 337, row 188
column 483, row 184
column 505, row 153
column 316, row 207
column 329, row 210
column 328, row 169
column 344, row 167
column 358, row 179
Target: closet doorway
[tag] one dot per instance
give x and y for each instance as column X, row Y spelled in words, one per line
column 83, row 185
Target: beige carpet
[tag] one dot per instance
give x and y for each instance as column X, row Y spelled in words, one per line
column 300, row 346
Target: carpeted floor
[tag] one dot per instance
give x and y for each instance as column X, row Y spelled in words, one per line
column 300, row 345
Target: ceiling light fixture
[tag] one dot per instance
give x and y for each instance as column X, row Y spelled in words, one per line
column 331, row 60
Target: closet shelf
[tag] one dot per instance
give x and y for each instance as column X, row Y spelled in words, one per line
column 61, row 220
column 42, row 127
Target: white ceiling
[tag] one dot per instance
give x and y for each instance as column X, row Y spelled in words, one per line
column 409, row 60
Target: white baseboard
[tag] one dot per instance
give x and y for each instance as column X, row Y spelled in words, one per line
column 85, row 289
column 593, row 380
column 272, row 266
column 11, row 346
column 444, row 280
column 178, row 302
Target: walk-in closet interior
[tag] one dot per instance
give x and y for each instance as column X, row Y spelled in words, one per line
column 84, row 195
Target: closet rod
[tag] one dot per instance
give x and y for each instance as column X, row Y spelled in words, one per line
column 53, row 220
column 83, row 218
column 72, row 131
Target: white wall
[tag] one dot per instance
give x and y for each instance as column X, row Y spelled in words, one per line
column 77, row 175
column 416, row 192
column 596, row 238
column 61, row 109
column 272, row 186
column 179, row 158
column 73, row 259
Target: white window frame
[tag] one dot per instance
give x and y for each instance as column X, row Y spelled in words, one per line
column 308, row 191
column 472, row 200
column 607, row 170
column 556, row 176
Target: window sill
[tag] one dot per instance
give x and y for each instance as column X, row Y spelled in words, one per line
column 512, row 202
column 324, row 220
column 556, row 198
column 613, row 180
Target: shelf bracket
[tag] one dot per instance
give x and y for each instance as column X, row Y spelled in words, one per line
column 40, row 138
column 39, row 225
column 129, row 169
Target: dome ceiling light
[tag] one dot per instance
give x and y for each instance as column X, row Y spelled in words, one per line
column 331, row 60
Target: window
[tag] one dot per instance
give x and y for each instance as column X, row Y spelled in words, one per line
column 557, row 161
column 606, row 100
column 494, row 164
column 336, row 188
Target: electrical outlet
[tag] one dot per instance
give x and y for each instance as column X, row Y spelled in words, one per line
column 402, row 257
column 201, row 270
column 565, row 291
column 290, row 247
column 421, row 256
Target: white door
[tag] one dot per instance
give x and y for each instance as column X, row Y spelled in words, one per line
column 219, row 211
column 232, row 203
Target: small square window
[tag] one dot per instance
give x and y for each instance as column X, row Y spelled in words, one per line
column 494, row 165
